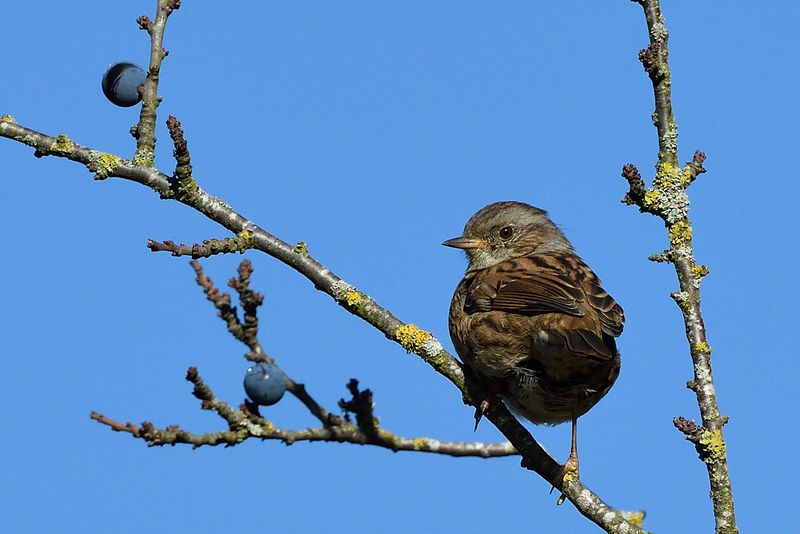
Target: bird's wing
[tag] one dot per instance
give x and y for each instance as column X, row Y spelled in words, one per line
column 535, row 285
column 611, row 316
column 525, row 286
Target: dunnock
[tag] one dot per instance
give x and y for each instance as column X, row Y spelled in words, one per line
column 531, row 320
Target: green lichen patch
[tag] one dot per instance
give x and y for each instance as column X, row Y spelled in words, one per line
column 681, row 298
column 353, row 297
column 411, row 337
column 420, row 444
column 103, row 164
column 439, row 360
column 63, row 145
column 699, row 271
column 713, row 445
column 301, row 248
column 186, row 189
column 686, row 177
column 635, row 518
column 667, row 198
column 340, row 288
column 669, row 140
column 651, row 196
column 702, row 347
column 666, row 174
column 680, row 233
column 433, row 351
column 659, row 32
column 143, row 158
column 244, row 240
column 384, row 435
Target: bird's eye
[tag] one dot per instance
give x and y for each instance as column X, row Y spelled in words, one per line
column 506, row 232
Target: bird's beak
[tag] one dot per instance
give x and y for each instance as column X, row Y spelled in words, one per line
column 465, row 243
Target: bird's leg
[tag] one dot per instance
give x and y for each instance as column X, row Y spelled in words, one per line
column 571, row 465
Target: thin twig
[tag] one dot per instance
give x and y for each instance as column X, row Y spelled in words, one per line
column 209, row 247
column 369, row 432
column 183, row 169
column 145, row 129
column 243, row 425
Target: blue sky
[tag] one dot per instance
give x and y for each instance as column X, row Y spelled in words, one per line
column 372, row 131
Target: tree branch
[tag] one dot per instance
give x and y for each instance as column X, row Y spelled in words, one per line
column 209, row 247
column 412, row 338
column 245, row 423
column 145, row 129
column 183, row 188
column 668, row 200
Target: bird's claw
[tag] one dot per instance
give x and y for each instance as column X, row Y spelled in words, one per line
column 570, row 468
column 479, row 411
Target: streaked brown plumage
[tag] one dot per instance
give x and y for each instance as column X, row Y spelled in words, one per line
column 531, row 319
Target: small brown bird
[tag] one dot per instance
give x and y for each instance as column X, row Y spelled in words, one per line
column 531, row 319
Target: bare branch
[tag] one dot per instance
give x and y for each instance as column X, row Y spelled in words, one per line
column 144, row 131
column 299, row 391
column 412, row 338
column 369, row 431
column 667, row 199
column 245, row 424
column 250, row 301
column 102, row 164
column 209, row 247
column 183, row 170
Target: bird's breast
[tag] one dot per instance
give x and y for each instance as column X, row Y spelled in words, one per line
column 496, row 342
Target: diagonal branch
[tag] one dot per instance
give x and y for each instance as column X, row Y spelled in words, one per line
column 412, row 338
column 185, row 189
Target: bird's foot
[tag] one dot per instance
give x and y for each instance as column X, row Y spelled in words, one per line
column 570, row 467
column 479, row 411
column 568, row 471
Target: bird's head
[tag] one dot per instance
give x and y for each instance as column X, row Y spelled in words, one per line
column 507, row 230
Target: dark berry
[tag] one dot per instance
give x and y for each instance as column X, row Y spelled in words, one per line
column 265, row 383
column 120, row 84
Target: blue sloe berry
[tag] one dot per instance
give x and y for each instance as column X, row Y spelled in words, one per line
column 265, row 383
column 120, row 82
